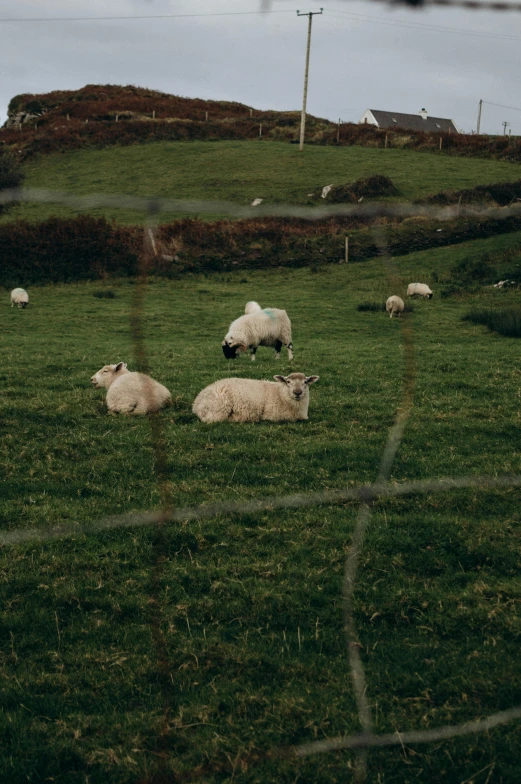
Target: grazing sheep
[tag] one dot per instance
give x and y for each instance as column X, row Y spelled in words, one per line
column 394, row 305
column 19, row 297
column 130, row 393
column 419, row 288
column 268, row 327
column 248, row 400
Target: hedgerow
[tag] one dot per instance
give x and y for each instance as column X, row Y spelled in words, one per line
column 87, row 248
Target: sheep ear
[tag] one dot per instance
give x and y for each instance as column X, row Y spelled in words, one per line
column 312, row 379
column 282, row 379
column 119, row 366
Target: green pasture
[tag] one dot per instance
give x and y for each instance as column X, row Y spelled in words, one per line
column 185, row 654
column 242, row 171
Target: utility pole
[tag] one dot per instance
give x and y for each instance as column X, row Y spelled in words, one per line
column 310, row 16
column 479, row 115
column 504, row 124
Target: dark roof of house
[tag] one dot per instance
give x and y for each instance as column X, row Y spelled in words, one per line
column 413, row 122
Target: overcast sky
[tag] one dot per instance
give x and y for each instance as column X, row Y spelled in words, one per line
column 363, row 55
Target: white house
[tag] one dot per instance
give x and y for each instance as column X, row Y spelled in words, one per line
column 409, row 122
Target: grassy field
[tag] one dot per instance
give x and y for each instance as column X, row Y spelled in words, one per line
column 242, row 171
column 188, row 653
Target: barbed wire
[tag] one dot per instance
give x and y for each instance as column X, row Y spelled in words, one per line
column 362, row 494
column 233, row 210
column 366, row 495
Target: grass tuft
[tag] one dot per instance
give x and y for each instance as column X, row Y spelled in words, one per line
column 380, row 306
column 506, row 321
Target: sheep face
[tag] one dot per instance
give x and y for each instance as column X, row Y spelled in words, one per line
column 296, row 384
column 107, row 374
column 232, row 349
column 22, row 304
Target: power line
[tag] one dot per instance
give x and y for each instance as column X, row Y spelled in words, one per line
column 132, row 18
column 501, row 106
column 415, row 26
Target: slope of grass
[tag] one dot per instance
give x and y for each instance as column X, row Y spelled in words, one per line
column 197, row 649
column 242, row 171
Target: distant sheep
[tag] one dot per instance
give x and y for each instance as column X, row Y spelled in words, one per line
column 419, row 288
column 248, row 400
column 252, row 307
column 268, row 327
column 394, row 305
column 19, row 297
column 130, row 393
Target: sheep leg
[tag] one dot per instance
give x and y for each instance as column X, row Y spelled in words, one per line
column 253, row 351
column 290, row 351
column 278, row 346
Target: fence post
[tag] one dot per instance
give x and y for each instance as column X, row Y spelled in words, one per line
column 441, row 142
column 117, row 117
column 68, row 118
column 206, row 117
column 154, row 114
column 260, row 131
column 346, row 250
column 251, row 112
column 386, row 139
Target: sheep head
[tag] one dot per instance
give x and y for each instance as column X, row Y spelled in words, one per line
column 297, row 384
column 232, row 349
column 107, row 374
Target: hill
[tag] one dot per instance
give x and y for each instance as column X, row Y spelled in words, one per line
column 240, row 171
column 106, row 115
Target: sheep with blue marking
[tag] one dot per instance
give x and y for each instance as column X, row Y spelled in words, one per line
column 258, row 327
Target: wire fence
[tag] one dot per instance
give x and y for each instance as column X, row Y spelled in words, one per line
column 365, row 495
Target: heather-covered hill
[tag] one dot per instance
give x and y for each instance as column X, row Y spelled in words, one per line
column 98, row 116
column 105, row 102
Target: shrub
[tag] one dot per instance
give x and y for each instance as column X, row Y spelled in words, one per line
column 56, row 250
column 380, row 306
column 505, row 321
column 10, row 174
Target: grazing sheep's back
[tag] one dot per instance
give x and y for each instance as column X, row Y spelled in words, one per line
column 419, row 288
column 252, row 307
column 394, row 305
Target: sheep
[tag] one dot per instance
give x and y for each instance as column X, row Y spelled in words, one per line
column 394, row 305
column 419, row 288
column 19, row 297
column 248, row 400
column 130, row 393
column 252, row 307
column 268, row 327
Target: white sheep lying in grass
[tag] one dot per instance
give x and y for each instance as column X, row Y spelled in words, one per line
column 268, row 327
column 419, row 288
column 19, row 297
column 130, row 393
column 394, row 305
column 248, row 400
